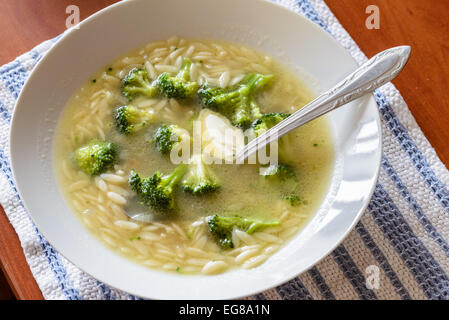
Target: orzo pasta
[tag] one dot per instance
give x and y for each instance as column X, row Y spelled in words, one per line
column 181, row 240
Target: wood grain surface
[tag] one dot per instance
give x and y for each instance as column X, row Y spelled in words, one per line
column 424, row 82
column 424, row 25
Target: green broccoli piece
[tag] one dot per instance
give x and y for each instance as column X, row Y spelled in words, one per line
column 200, row 179
column 137, row 83
column 95, row 157
column 178, row 87
column 221, row 227
column 166, row 137
column 285, row 144
column 157, row 191
column 293, row 199
column 267, row 121
column 237, row 103
column 279, row 171
column 130, row 119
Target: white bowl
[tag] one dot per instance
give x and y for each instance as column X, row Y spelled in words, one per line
column 130, row 24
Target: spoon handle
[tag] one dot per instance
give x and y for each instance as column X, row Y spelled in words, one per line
column 374, row 73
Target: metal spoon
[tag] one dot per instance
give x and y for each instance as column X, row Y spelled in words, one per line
column 374, row 73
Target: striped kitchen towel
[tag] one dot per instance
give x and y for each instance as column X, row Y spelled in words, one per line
column 403, row 234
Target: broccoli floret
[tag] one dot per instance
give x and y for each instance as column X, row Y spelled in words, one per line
column 95, row 157
column 267, row 121
column 178, row 87
column 166, row 137
column 237, row 103
column 285, row 177
column 221, row 227
column 129, row 119
column 200, row 179
column 137, row 83
column 293, row 199
column 157, row 191
column 279, row 171
column 285, row 144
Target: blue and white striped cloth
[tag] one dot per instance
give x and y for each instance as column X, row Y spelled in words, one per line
column 404, row 232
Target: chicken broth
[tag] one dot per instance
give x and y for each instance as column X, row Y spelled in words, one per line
column 180, row 239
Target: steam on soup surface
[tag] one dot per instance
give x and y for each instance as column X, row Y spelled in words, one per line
column 218, row 216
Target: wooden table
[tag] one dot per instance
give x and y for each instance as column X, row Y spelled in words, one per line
column 423, row 83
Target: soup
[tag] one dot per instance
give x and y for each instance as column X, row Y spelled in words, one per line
column 122, row 131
